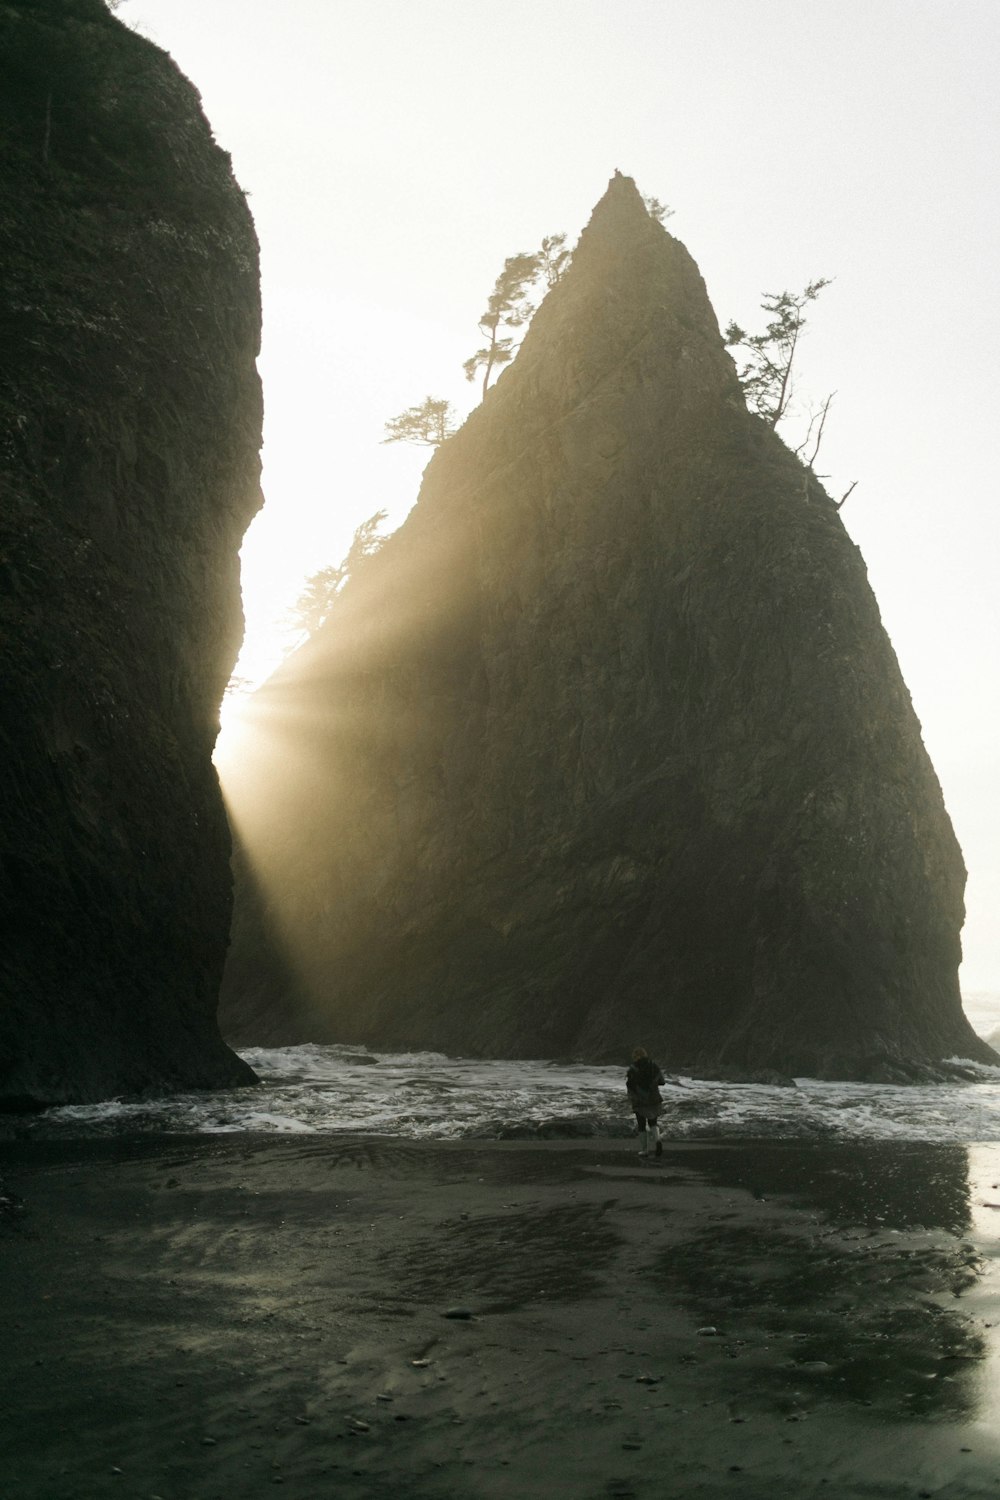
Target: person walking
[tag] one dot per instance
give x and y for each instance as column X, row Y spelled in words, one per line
column 643, row 1081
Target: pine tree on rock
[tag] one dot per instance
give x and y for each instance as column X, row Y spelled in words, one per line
column 766, row 377
column 313, row 606
column 428, row 424
column 509, row 307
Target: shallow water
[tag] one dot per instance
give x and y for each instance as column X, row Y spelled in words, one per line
column 316, row 1089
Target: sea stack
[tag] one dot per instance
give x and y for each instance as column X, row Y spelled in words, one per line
column 130, row 420
column 608, row 743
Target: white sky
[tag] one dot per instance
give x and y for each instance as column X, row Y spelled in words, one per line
column 396, row 151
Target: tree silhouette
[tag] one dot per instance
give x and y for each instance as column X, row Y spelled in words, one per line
column 657, row 210
column 509, row 306
column 766, row 377
column 428, row 424
column 314, row 604
column 553, row 258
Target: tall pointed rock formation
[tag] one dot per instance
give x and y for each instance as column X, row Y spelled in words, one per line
column 608, row 743
column 130, row 419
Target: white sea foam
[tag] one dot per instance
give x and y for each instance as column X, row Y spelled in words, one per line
column 329, row 1090
column 983, row 1010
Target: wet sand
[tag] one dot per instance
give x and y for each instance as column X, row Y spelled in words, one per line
column 236, row 1317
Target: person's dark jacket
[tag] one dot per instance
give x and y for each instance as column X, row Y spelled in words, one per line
column 642, row 1081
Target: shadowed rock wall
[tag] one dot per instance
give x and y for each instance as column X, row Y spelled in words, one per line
column 130, row 419
column 608, row 743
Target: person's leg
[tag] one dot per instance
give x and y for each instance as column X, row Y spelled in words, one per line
column 653, row 1141
column 640, row 1121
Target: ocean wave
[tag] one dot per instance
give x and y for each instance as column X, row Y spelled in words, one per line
column 314, row 1089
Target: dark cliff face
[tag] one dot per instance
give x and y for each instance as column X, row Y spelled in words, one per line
column 130, row 419
column 608, row 744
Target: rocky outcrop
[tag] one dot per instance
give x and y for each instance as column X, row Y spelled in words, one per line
column 608, row 743
column 130, row 418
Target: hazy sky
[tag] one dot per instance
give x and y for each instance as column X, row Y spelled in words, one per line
column 395, row 151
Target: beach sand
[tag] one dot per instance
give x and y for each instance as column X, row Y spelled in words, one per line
column 225, row 1318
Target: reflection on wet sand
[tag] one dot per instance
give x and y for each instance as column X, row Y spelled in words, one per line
column 880, row 1184
column 363, row 1316
column 861, row 1289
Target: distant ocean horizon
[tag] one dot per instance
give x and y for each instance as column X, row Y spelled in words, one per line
column 983, row 1010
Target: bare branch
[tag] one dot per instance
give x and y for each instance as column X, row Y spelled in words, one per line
column 815, row 417
column 819, row 435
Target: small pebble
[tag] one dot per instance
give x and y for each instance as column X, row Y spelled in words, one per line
column 420, row 1364
column 707, row 1332
column 461, row 1313
column 208, row 1442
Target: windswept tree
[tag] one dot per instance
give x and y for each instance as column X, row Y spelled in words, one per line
column 509, row 307
column 553, row 259
column 657, row 210
column 428, row 424
column 767, row 375
column 313, row 606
